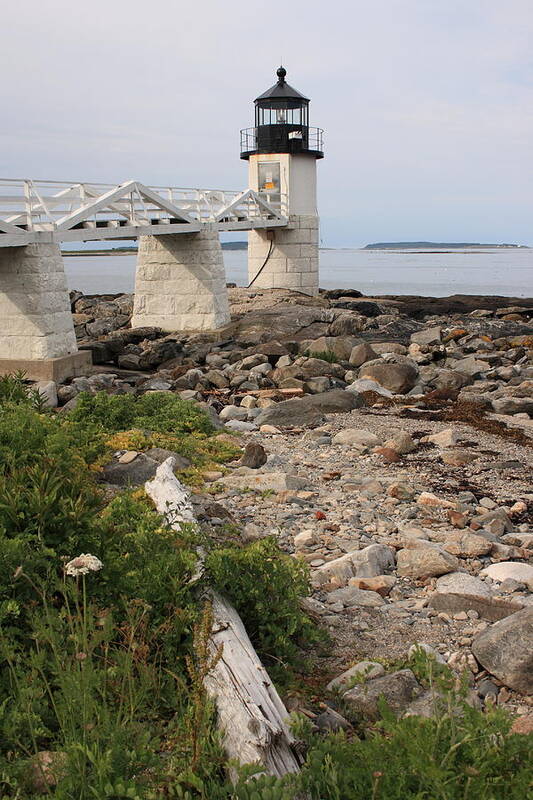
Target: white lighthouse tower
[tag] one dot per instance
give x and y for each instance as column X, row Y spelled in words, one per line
column 282, row 151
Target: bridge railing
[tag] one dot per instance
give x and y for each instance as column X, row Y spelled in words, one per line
column 58, row 206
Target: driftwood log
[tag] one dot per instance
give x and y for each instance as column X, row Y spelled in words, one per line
column 251, row 714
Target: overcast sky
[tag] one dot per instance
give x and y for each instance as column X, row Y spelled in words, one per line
column 427, row 105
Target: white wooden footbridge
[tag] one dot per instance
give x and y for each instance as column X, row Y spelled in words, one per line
column 58, row 211
column 180, row 281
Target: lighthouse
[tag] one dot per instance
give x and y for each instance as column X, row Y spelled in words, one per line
column 282, row 150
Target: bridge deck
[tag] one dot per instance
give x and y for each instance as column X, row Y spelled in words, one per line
column 58, row 211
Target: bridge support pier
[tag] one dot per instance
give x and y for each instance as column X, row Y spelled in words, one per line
column 36, row 330
column 180, row 283
column 293, row 259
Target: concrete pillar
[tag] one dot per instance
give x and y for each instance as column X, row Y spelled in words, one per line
column 293, row 261
column 180, row 283
column 36, row 330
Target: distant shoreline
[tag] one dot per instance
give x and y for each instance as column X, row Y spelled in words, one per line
column 410, row 247
column 444, row 246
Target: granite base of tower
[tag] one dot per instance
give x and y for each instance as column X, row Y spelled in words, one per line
column 36, row 329
column 293, row 259
column 180, row 283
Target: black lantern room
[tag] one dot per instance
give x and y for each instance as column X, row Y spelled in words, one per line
column 281, row 123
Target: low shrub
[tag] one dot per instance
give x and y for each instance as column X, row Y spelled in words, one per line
column 48, row 499
column 265, row 586
column 158, row 411
column 13, row 389
column 466, row 756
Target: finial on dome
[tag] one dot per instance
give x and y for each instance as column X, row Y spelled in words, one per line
column 281, row 72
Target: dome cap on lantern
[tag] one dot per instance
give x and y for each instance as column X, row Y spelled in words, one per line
column 281, row 90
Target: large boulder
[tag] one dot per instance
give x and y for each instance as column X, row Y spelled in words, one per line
column 362, row 353
column 395, row 376
column 304, row 368
column 339, row 347
column 425, row 562
column 522, row 573
column 506, row 650
column 356, row 437
column 346, row 324
column 309, row 410
column 513, row 405
column 370, row 562
column 459, row 591
column 397, row 689
column 133, row 473
column 427, row 336
column 295, row 321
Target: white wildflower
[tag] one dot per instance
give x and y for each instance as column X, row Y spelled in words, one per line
column 83, row 564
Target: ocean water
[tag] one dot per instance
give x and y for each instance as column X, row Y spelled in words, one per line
column 507, row 272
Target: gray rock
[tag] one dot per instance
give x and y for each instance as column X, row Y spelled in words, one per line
column 402, row 442
column 338, row 346
column 489, row 608
column 239, row 426
column 365, row 670
column 425, row 562
column 246, row 478
column 471, row 366
column 462, row 583
column 335, row 401
column 317, row 385
column 213, row 416
column 513, row 405
column 523, row 573
column 428, row 650
column 370, row 562
column 155, row 385
column 428, row 336
column 397, row 689
column 296, row 412
column 48, row 392
column 433, row 704
column 389, row 347
column 397, row 378
column 308, row 411
column 450, row 379
column 135, row 473
column 356, row 437
column 331, row 720
column 160, row 454
column 217, row 378
column 374, row 560
column 129, row 361
column 367, row 385
column 346, row 324
column 351, row 596
column 362, row 353
column 254, row 456
column 506, row 650
column 106, row 325
column 233, row 412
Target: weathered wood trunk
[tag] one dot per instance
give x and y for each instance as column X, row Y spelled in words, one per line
column 251, row 714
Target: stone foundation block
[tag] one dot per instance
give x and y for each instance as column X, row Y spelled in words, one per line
column 293, row 254
column 180, row 283
column 50, row 369
column 35, row 317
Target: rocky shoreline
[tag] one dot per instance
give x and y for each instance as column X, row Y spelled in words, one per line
column 387, row 442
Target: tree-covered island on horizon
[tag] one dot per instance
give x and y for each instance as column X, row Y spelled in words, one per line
column 431, row 245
